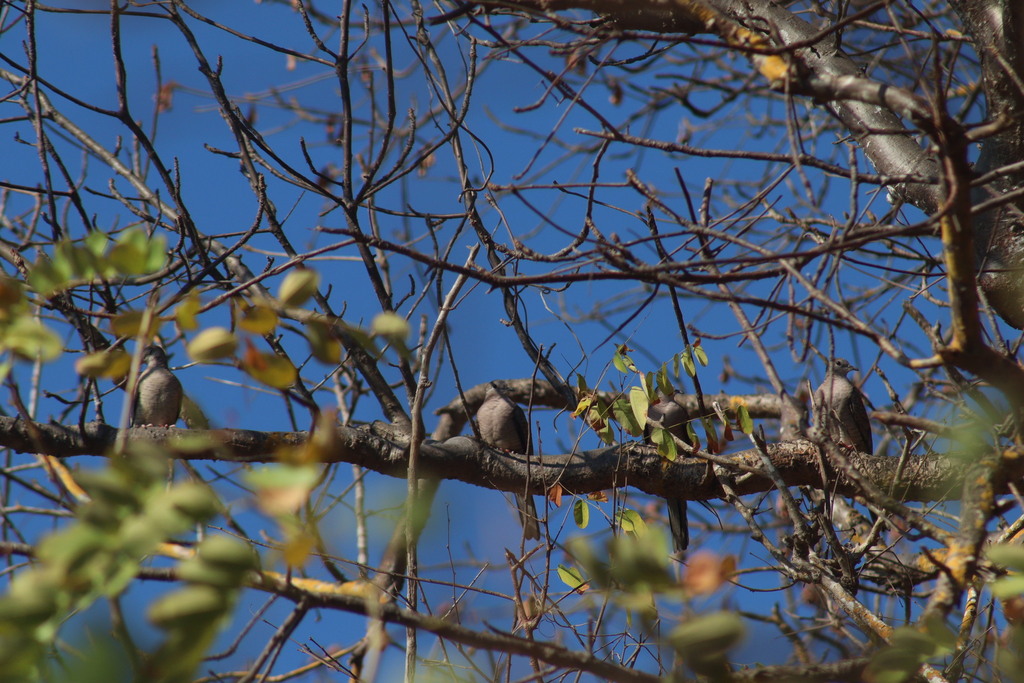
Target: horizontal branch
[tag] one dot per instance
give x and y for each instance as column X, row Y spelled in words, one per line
column 384, row 449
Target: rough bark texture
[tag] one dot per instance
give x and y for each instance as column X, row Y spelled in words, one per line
column 996, row 28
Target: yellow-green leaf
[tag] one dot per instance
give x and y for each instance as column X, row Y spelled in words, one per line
column 137, row 252
column 128, row 255
column 96, row 242
column 298, row 286
column 1007, row 555
column 390, row 325
column 82, row 262
column 270, row 369
column 257, row 318
column 187, row 311
column 31, row 339
column 687, row 359
column 212, row 344
column 129, row 324
column 581, row 513
column 111, row 363
column 155, row 253
column 324, row 346
column 700, row 354
column 583, row 406
column 45, row 279
column 743, row 415
column 1008, row 587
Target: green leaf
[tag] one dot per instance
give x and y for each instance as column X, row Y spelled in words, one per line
column 130, row 254
column 662, row 438
column 909, row 639
column 45, row 279
column 196, row 501
column 154, row 253
column 662, row 381
column 743, row 415
column 687, row 359
column 1008, row 587
column 631, row 522
column 943, row 637
column 712, row 435
column 593, row 565
column 899, row 662
column 81, row 262
column 227, row 551
column 620, row 363
column 571, row 577
column 394, row 329
column 705, row 640
column 220, row 561
column 639, row 403
column 581, row 513
column 189, row 606
column 96, row 242
column 70, row 549
column 24, row 611
column 700, row 354
column 276, row 476
column 692, row 433
column 640, row 565
column 1007, row 555
column 649, row 384
column 623, row 413
column 31, row 339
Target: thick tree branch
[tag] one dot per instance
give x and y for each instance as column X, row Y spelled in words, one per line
column 382, row 449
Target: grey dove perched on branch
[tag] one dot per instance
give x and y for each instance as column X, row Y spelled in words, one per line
column 840, row 406
column 158, row 394
column 670, row 415
column 503, row 424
